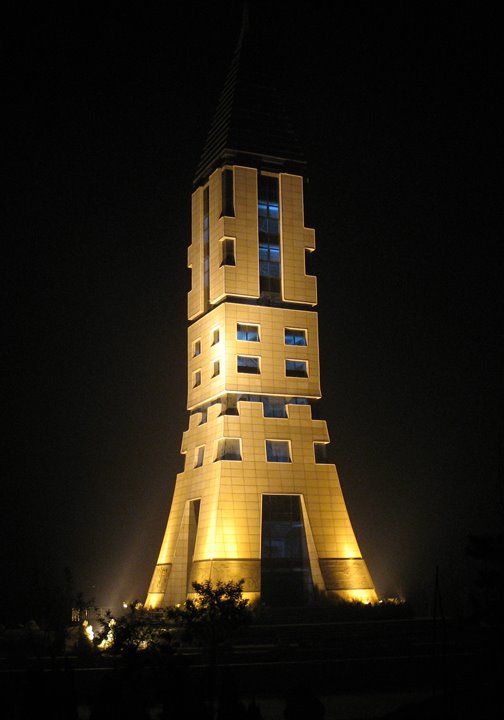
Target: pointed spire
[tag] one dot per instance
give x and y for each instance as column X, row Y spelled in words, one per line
column 250, row 125
column 245, row 26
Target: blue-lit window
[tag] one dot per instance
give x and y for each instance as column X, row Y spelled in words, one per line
column 269, row 254
column 278, row 451
column 268, row 208
column 274, row 406
column 269, row 233
column 269, row 263
column 285, row 564
column 296, row 368
column 229, row 449
column 295, row 336
column 247, row 332
column 248, row 364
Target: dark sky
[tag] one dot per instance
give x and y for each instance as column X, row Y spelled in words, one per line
column 108, row 112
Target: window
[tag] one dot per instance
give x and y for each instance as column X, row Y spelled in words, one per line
column 228, row 252
column 274, row 406
column 269, row 267
column 198, row 456
column 295, row 336
column 285, row 565
column 192, row 532
column 216, row 368
column 229, row 406
column 229, row 449
column 320, row 452
column 206, row 246
column 269, row 233
column 309, row 261
column 227, row 193
column 215, row 336
column 296, row 368
column 197, row 378
column 247, row 332
column 278, row 451
column 248, row 364
column 196, row 348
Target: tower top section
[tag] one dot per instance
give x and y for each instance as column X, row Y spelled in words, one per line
column 250, row 126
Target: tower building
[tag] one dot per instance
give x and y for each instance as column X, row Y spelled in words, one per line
column 257, row 498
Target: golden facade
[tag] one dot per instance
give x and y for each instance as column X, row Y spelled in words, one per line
column 257, row 498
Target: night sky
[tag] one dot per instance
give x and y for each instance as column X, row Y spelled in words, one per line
column 107, row 115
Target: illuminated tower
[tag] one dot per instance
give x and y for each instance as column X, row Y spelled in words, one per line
column 257, row 498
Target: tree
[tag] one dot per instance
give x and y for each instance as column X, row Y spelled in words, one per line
column 137, row 630
column 212, row 618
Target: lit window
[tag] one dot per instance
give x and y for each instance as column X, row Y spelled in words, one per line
column 216, row 368
column 215, row 336
column 196, row 348
column 199, row 455
column 197, row 378
column 228, row 252
column 229, row 449
column 269, row 234
column 248, row 364
column 247, row 332
column 320, row 451
column 296, row 368
column 295, row 336
column 274, row 406
column 278, row 451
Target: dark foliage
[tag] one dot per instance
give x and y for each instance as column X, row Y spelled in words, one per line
column 213, row 616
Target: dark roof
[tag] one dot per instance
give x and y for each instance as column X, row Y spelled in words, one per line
column 250, row 125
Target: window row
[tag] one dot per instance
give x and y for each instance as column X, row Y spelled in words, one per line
column 196, row 348
column 278, row 451
column 251, row 365
column 268, row 217
column 251, row 333
column 273, row 406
